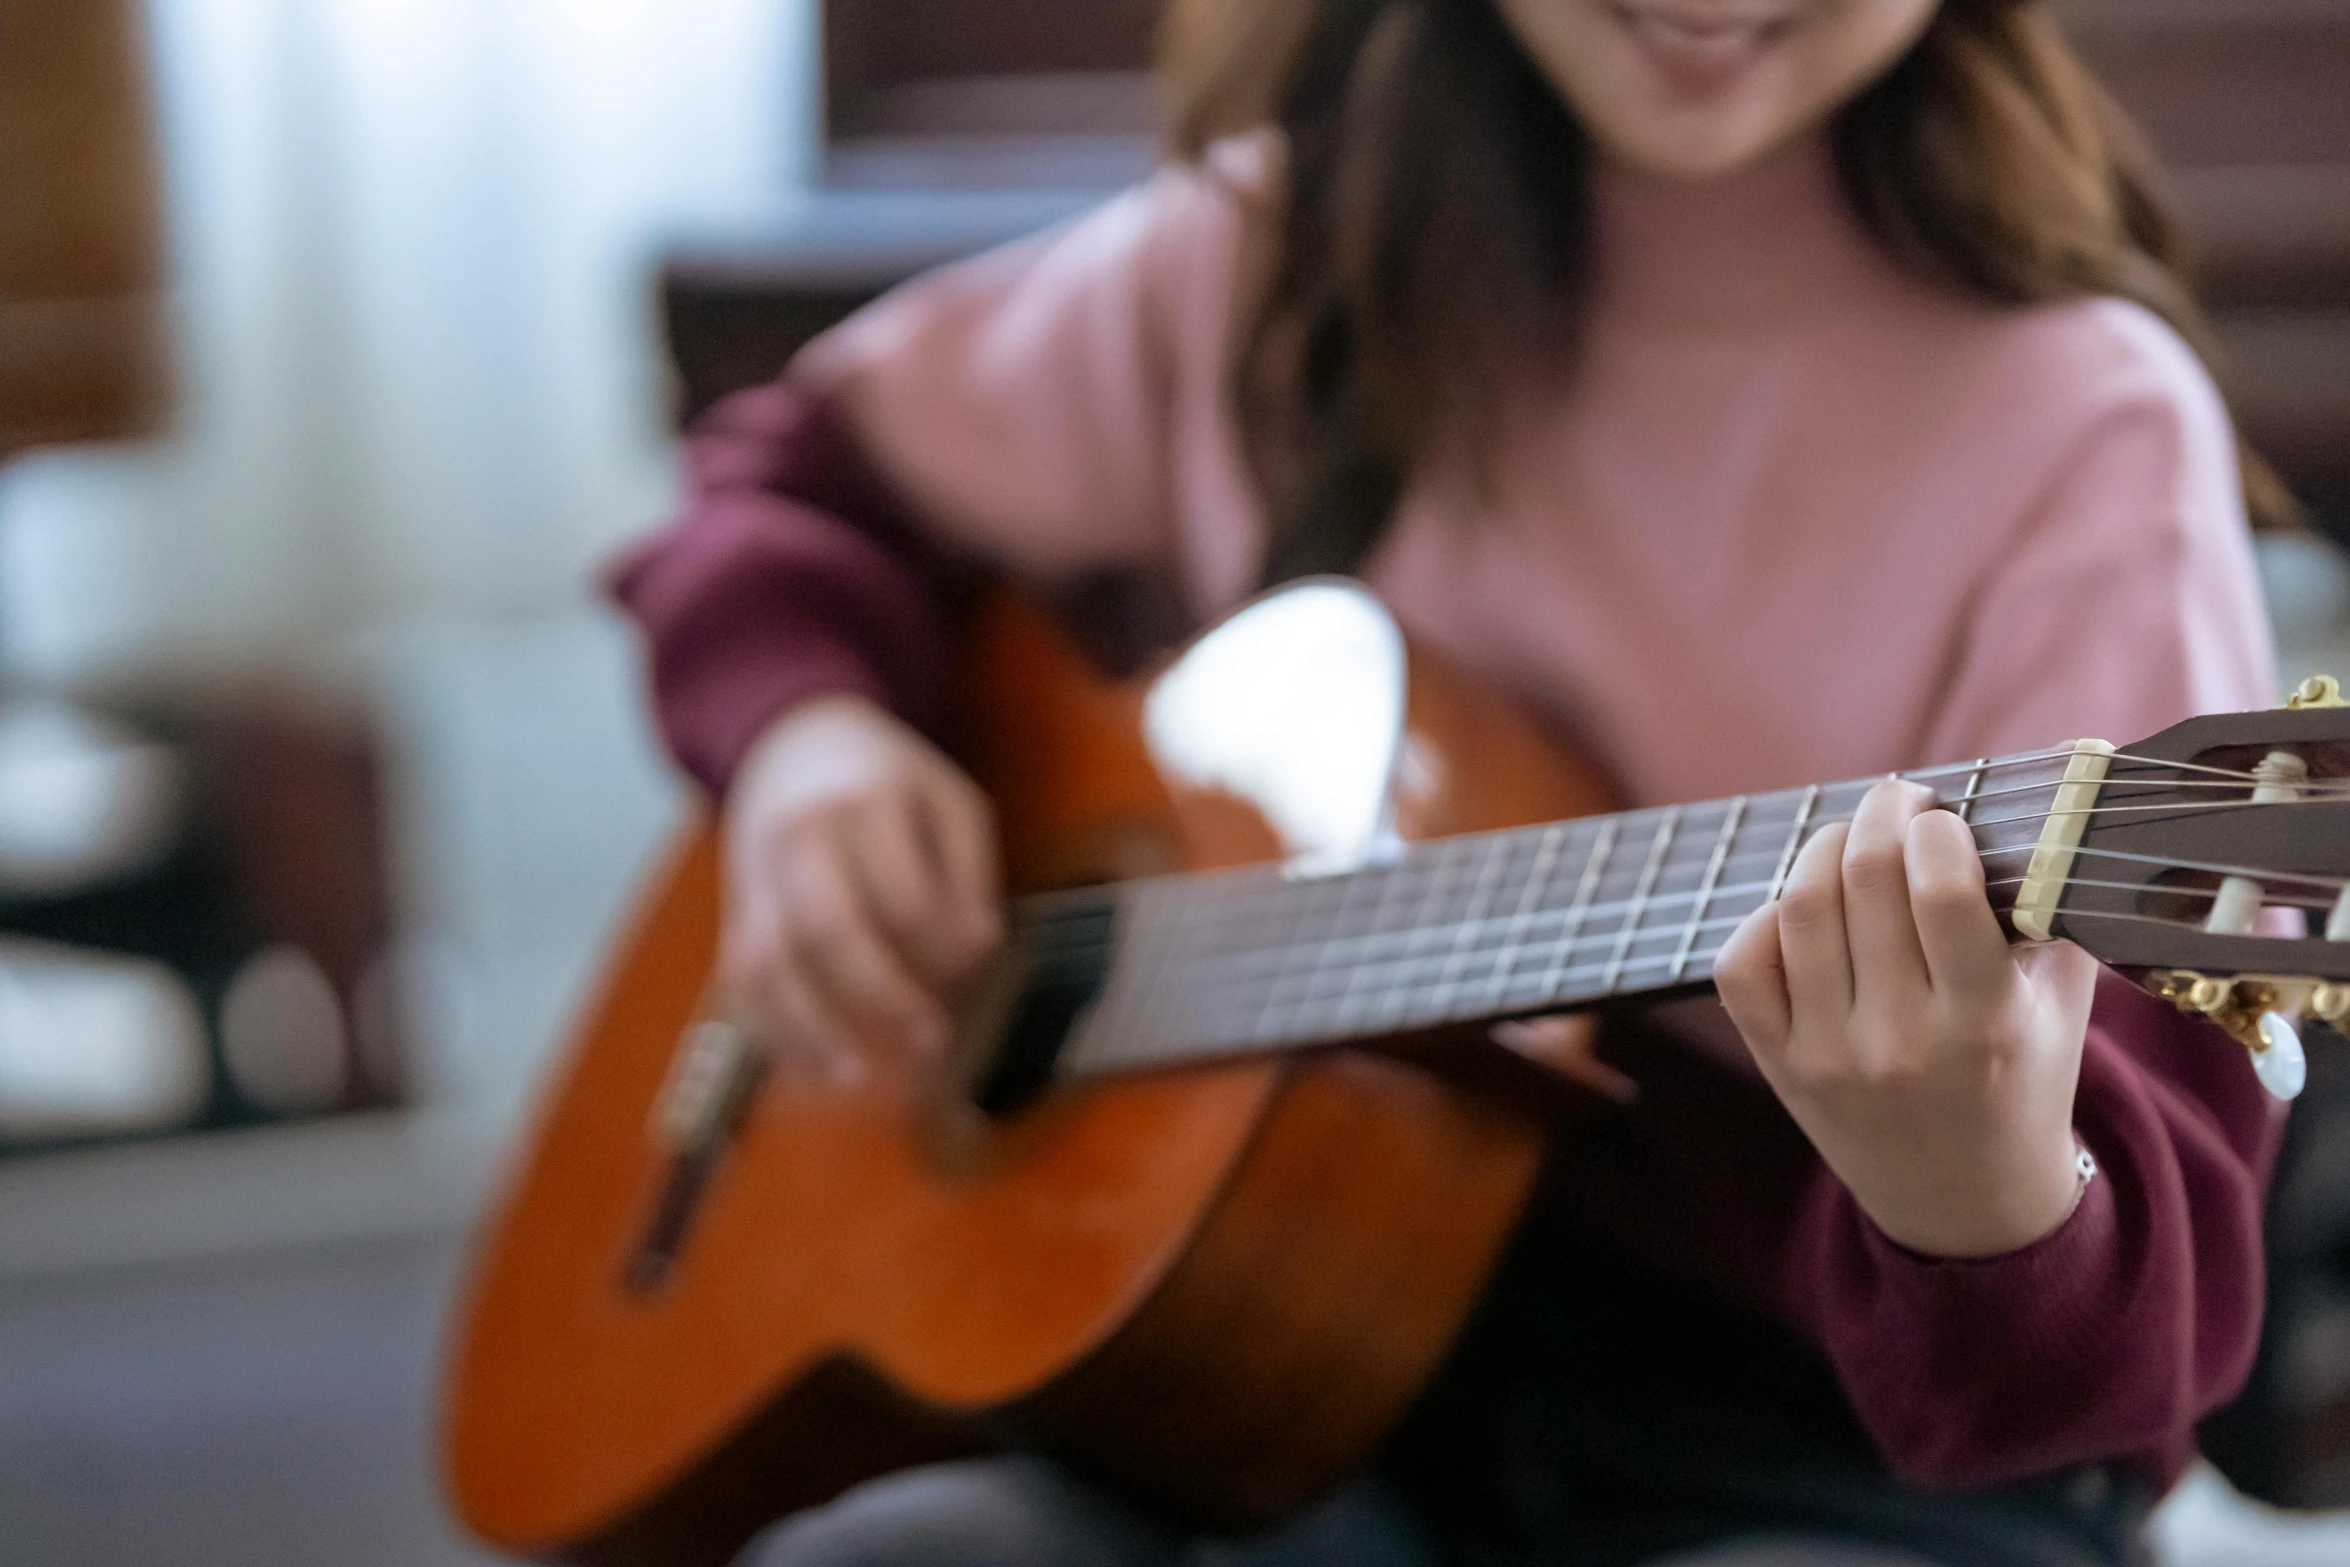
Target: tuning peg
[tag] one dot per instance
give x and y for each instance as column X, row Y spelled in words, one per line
column 2316, row 691
column 2257, row 1011
column 2280, row 1064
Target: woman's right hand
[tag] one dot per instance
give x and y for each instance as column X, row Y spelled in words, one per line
column 862, row 889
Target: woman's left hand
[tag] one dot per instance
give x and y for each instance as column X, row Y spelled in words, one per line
column 1931, row 1064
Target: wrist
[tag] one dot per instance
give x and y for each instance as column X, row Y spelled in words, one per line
column 824, row 711
column 1985, row 1212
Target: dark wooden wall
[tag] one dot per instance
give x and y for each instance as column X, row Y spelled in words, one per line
column 2248, row 101
column 874, row 49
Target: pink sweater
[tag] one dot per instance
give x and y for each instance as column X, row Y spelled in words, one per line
column 1794, row 516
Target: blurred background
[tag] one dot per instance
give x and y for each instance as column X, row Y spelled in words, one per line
column 339, row 340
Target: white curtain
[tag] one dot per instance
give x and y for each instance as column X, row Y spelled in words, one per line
column 414, row 241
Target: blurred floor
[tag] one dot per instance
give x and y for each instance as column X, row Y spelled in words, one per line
column 227, row 1414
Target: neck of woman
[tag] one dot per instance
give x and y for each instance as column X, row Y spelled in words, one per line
column 1767, row 245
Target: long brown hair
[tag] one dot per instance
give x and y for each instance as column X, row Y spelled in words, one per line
column 1438, row 217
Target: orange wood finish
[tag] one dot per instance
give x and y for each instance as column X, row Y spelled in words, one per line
column 1215, row 1289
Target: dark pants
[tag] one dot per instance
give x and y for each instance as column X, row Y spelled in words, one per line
column 1592, row 1416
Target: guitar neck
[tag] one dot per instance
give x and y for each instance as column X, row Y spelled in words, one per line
column 1492, row 925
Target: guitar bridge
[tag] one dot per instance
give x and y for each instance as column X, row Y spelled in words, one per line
column 694, row 1117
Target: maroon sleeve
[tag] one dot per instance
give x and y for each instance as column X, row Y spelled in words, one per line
column 790, row 573
column 2110, row 1338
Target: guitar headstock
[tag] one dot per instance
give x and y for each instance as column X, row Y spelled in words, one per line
column 2212, row 863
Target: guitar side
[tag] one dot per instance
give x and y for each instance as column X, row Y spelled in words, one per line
column 1214, row 1290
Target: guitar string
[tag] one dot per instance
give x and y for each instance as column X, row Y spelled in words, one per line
column 1657, row 900
column 1405, row 1002
column 1674, row 931
column 1399, row 970
column 1042, row 904
column 1442, row 845
column 1136, row 1053
column 1375, row 980
column 1608, row 939
column 2188, row 892
column 1424, row 929
column 1624, row 940
column 2169, row 863
column 1262, row 1040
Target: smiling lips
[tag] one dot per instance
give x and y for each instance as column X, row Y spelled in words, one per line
column 1702, row 46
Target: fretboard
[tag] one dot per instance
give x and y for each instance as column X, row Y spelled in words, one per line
column 1490, row 925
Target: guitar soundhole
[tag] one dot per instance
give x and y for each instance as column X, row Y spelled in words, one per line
column 1067, row 954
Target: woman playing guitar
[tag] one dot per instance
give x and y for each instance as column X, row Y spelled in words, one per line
column 1756, row 390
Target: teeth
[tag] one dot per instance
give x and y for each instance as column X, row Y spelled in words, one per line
column 1712, row 39
column 1717, row 34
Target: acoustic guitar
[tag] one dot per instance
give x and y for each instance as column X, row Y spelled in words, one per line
column 1225, row 1154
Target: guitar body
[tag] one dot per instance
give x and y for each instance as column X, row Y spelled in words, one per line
column 1211, row 1289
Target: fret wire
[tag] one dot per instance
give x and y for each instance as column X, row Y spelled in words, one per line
column 1391, row 879
column 1705, row 891
column 1811, row 800
column 1630, row 961
column 1422, row 968
column 1281, row 976
column 1540, row 884
column 1703, row 957
column 1385, row 947
column 1323, row 949
column 1586, row 888
column 1974, row 786
column 1398, row 996
column 1448, row 979
column 1179, row 952
column 1470, row 938
column 1135, row 994
column 1250, row 945
column 1504, row 933
column 1537, row 878
column 1410, row 968
column 1275, row 900
column 1619, row 965
column 1403, row 969
column 1399, row 992
column 1628, row 932
column 1172, row 1049
column 1368, row 946
column 1412, row 862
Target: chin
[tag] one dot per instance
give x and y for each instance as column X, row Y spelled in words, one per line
column 1694, row 152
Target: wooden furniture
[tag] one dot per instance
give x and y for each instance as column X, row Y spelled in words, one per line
column 1151, row 1214
column 272, row 849
column 949, row 126
column 83, row 339
column 2248, row 102
column 949, row 94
